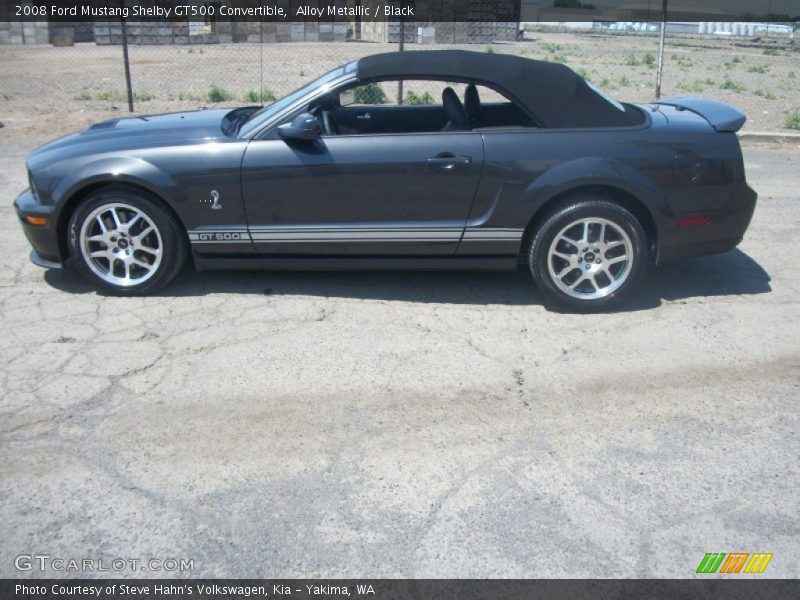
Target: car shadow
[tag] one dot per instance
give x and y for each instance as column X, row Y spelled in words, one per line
column 731, row 274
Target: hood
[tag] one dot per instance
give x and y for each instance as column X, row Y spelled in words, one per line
column 127, row 133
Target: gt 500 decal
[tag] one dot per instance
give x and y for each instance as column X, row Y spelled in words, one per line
column 206, row 237
column 197, row 237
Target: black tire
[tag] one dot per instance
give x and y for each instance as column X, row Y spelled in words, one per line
column 545, row 268
column 169, row 235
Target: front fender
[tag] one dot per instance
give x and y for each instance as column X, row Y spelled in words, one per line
column 106, row 170
column 115, row 169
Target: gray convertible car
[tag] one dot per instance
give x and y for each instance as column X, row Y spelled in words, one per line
column 487, row 161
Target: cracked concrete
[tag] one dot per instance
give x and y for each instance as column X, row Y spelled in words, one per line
column 406, row 424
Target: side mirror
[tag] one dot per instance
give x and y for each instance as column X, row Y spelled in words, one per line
column 304, row 126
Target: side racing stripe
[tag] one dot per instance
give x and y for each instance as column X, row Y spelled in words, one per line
column 304, row 234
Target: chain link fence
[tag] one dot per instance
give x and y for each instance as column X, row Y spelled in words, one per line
column 257, row 63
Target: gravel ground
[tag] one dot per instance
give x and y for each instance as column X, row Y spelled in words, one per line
column 406, row 424
column 761, row 78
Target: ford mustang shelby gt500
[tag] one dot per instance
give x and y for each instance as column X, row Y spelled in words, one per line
column 533, row 167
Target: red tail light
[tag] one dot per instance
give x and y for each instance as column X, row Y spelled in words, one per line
column 692, row 221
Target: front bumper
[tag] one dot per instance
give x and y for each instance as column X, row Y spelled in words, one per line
column 43, row 238
column 41, row 261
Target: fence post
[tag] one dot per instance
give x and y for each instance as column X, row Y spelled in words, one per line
column 127, row 65
column 400, row 47
column 261, row 62
column 661, row 47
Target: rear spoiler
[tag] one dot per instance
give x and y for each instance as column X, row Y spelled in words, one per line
column 720, row 116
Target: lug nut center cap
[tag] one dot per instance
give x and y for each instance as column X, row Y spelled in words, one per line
column 589, row 257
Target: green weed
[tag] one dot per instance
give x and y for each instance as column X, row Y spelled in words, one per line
column 607, row 85
column 793, row 120
column 414, row 98
column 109, row 96
column 218, row 94
column 732, row 85
column 265, row 95
column 370, row 93
column 190, row 96
column 693, row 87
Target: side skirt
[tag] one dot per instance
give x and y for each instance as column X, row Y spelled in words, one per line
column 354, row 263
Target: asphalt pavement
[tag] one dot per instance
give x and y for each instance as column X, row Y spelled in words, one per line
column 406, row 424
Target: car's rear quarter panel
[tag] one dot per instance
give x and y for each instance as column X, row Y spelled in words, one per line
column 675, row 167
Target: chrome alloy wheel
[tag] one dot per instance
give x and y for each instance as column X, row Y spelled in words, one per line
column 590, row 258
column 121, row 244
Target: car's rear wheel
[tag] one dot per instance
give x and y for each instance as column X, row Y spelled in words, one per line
column 125, row 242
column 588, row 254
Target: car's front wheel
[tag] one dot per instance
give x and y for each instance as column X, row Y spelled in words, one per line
column 588, row 254
column 126, row 242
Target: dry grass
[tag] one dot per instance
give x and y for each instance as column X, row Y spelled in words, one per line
column 87, row 80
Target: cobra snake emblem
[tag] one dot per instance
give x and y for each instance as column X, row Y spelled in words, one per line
column 215, row 205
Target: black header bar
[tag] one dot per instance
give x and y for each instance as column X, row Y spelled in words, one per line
column 419, row 11
column 711, row 588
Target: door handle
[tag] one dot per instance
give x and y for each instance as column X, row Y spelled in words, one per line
column 448, row 161
column 364, row 116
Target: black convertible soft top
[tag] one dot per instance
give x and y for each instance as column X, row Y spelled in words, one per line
column 552, row 92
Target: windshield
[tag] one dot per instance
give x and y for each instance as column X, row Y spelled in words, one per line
column 260, row 116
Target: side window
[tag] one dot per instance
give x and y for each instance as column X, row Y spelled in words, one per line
column 370, row 94
column 416, row 92
column 416, row 106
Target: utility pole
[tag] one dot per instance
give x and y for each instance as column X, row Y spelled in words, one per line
column 661, row 48
column 127, row 65
column 400, row 47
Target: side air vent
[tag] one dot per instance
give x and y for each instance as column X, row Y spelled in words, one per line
column 105, row 124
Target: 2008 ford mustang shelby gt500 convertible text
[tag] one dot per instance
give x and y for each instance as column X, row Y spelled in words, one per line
column 534, row 167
